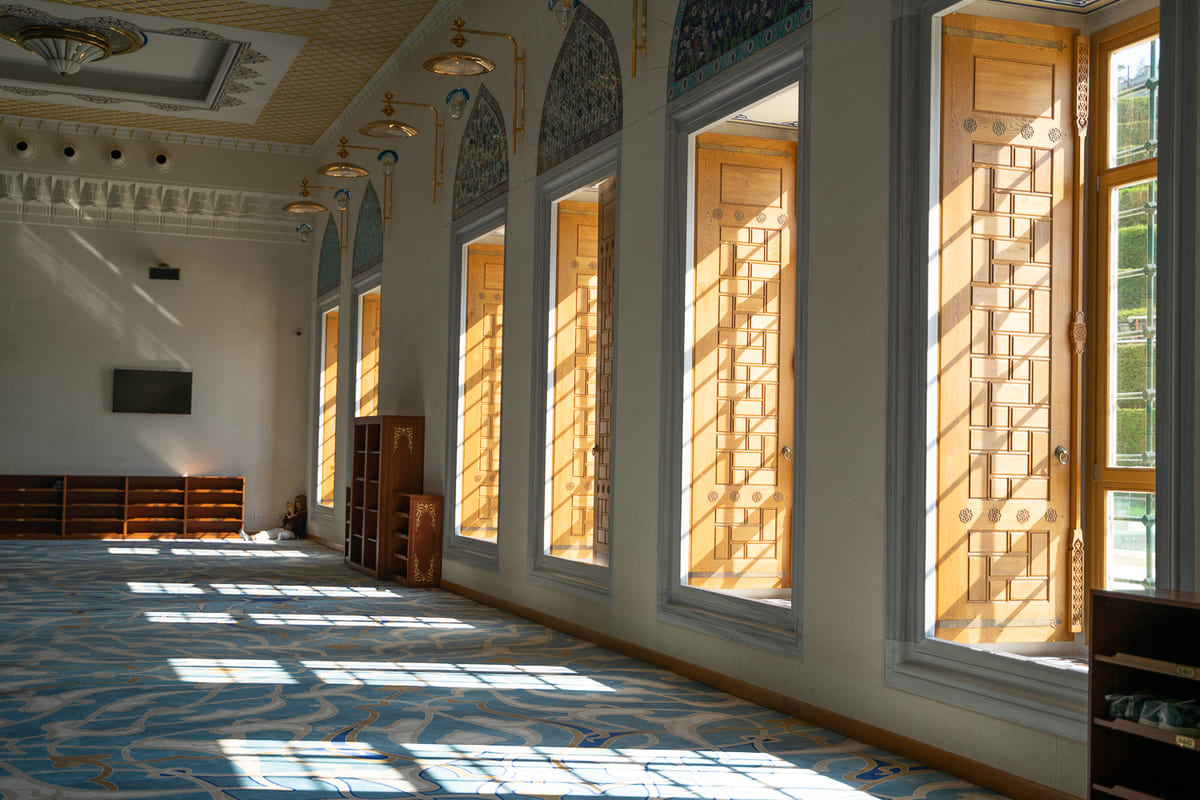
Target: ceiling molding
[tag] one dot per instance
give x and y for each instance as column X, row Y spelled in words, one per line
column 148, row 206
column 436, row 20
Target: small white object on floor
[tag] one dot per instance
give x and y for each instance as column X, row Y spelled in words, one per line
column 270, row 535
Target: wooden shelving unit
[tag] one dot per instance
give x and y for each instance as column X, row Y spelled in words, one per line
column 1142, row 642
column 31, row 506
column 214, row 507
column 120, row 507
column 155, row 506
column 386, row 537
column 94, row 506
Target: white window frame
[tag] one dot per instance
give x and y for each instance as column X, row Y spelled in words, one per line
column 598, row 163
column 455, row 546
column 739, row 619
column 1010, row 687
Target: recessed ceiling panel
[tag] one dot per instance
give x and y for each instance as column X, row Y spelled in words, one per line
column 275, row 72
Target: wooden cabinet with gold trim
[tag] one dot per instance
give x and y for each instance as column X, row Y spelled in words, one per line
column 415, row 543
column 388, row 466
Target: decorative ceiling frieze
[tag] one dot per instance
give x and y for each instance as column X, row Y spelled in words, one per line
column 143, row 205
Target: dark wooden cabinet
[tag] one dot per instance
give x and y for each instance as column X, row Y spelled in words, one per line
column 414, row 543
column 393, row 530
column 1142, row 643
column 121, row 507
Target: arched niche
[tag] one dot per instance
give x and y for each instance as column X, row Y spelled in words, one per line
column 713, row 35
column 482, row 171
column 583, row 99
column 368, row 233
column 329, row 268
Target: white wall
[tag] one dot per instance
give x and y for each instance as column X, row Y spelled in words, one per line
column 844, row 411
column 77, row 303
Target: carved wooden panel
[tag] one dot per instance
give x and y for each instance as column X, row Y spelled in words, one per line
column 368, row 364
column 479, row 487
column 606, row 281
column 742, row 378
column 575, row 347
column 1004, row 385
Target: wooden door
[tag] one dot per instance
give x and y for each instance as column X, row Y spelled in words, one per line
column 328, row 434
column 606, row 281
column 743, row 364
column 479, row 487
column 1004, row 393
column 368, row 363
column 575, row 347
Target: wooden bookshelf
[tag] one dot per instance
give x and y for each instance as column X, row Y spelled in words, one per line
column 1142, row 642
column 31, row 506
column 393, row 530
column 120, row 507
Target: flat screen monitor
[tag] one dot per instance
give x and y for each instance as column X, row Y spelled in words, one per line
column 151, row 391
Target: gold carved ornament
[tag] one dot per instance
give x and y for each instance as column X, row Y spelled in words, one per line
column 424, row 575
column 403, row 433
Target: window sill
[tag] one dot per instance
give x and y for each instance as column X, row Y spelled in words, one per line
column 473, row 552
column 1044, row 694
column 766, row 625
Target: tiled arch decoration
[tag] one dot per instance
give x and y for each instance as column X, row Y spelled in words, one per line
column 583, row 100
column 368, row 233
column 713, row 35
column 482, row 171
column 329, row 268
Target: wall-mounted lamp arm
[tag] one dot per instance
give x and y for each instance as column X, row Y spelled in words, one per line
column 518, row 93
column 439, row 143
column 639, row 43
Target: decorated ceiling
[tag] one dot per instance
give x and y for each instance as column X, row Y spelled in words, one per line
column 276, row 72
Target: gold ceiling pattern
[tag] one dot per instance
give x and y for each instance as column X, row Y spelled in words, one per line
column 346, row 44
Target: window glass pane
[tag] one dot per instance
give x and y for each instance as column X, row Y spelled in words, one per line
column 1133, row 340
column 1129, row 546
column 1133, row 103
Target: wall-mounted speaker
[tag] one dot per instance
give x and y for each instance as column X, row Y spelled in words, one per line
column 22, row 148
column 69, row 153
column 162, row 161
column 115, row 156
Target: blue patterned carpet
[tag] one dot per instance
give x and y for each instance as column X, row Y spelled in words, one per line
column 218, row 670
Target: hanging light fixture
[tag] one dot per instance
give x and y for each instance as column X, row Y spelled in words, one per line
column 388, row 128
column 563, row 9
column 304, row 230
column 460, row 63
column 457, row 101
column 343, row 168
column 342, row 198
column 304, row 205
column 66, row 45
